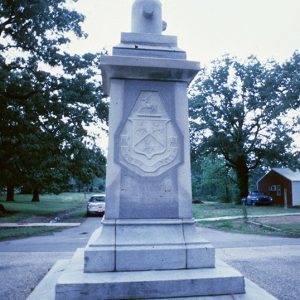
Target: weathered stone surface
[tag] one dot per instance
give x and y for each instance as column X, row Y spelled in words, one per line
column 148, row 244
column 132, row 38
column 148, row 186
column 149, row 168
column 75, row 284
column 101, row 257
column 151, row 69
column 46, row 289
column 147, row 17
column 149, row 140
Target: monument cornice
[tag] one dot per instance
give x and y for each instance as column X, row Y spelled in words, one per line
column 144, row 68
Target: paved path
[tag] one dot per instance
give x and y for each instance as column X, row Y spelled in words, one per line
column 14, row 225
column 271, row 262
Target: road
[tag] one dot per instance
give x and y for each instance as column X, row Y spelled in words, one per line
column 272, row 262
column 24, row 262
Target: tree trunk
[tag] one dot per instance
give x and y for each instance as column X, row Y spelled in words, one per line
column 242, row 173
column 10, row 192
column 36, row 195
column 227, row 197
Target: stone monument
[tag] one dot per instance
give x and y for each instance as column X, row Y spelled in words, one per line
column 148, row 245
column 148, row 221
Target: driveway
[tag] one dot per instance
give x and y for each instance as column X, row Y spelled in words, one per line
column 272, row 262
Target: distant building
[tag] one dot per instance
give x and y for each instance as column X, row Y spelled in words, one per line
column 283, row 185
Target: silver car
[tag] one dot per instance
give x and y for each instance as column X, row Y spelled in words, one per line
column 96, row 205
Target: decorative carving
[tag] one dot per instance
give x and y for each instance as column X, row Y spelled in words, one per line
column 149, row 140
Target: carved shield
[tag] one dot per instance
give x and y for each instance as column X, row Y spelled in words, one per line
column 149, row 136
column 149, row 141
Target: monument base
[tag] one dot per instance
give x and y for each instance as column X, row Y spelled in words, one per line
column 75, row 284
column 147, row 244
column 46, row 289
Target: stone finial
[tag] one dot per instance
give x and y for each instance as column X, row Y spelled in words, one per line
column 147, row 17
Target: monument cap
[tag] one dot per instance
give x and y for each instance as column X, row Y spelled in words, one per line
column 147, row 17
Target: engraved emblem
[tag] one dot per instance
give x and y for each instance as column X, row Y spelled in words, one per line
column 149, row 141
column 149, row 136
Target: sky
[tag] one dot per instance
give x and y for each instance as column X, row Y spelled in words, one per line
column 206, row 29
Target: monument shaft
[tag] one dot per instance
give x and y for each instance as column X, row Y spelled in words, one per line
column 148, row 174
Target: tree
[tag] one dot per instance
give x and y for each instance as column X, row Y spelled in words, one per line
column 48, row 97
column 212, row 179
column 237, row 112
column 289, row 80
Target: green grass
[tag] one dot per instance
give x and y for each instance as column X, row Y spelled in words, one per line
column 290, row 230
column 77, row 215
column 239, row 226
column 215, row 209
column 23, row 210
column 49, row 206
column 9, row 233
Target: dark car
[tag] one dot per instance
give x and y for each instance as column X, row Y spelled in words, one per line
column 96, row 205
column 256, row 197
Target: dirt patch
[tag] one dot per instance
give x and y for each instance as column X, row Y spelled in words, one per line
column 279, row 220
column 35, row 219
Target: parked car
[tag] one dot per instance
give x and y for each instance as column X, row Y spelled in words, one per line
column 256, row 197
column 96, row 205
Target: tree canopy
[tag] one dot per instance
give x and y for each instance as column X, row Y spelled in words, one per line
column 238, row 111
column 48, row 97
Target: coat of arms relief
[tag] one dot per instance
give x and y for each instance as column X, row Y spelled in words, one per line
column 149, row 141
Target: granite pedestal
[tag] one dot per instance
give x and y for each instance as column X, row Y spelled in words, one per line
column 148, row 245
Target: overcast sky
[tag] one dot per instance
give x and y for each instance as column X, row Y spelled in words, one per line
column 206, row 29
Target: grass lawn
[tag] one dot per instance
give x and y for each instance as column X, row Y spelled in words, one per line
column 279, row 226
column 239, row 226
column 215, row 209
column 23, row 210
column 10, row 233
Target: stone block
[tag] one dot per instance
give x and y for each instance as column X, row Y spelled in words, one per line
column 200, row 256
column 149, row 39
column 75, row 284
column 152, row 257
column 46, row 289
column 100, row 251
column 99, row 259
column 147, row 244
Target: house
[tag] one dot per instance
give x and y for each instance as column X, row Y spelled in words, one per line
column 283, row 185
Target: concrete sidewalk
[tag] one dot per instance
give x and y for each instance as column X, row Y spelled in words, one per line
column 14, row 225
column 241, row 217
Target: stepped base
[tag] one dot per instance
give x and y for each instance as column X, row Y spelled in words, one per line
column 144, row 245
column 46, row 288
column 75, row 284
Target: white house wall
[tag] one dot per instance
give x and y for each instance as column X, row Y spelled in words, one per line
column 296, row 193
